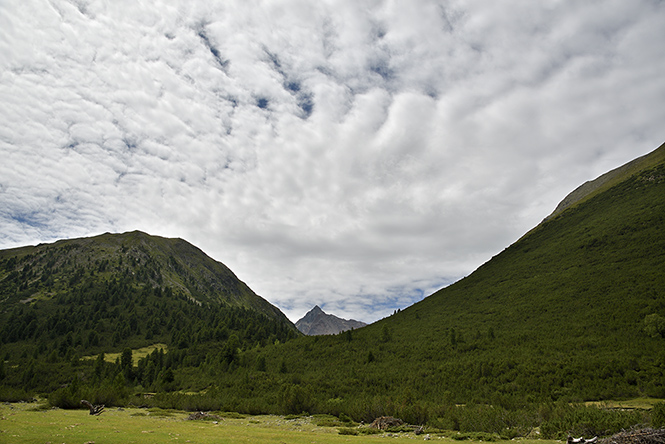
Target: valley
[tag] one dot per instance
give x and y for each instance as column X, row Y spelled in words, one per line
column 541, row 337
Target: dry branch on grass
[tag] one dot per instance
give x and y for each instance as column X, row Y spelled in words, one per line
column 205, row 416
column 641, row 436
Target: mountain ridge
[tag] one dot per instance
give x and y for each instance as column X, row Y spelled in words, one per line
column 606, row 180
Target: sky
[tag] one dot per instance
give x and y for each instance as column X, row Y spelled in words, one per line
column 352, row 154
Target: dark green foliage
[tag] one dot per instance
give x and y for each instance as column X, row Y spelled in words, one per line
column 126, row 364
column 261, row 364
column 507, row 423
column 563, row 419
column 654, row 325
column 347, row 431
column 295, row 399
column 658, row 415
column 476, row 436
column 325, row 420
column 11, row 394
column 365, row 431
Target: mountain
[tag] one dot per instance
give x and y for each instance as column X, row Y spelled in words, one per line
column 149, row 260
column 573, row 311
column 317, row 322
column 81, row 297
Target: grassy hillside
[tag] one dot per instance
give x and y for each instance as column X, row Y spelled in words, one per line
column 573, row 311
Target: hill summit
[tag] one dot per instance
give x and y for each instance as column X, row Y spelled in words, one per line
column 151, row 261
column 317, row 322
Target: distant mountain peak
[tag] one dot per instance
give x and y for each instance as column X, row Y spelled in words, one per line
column 317, row 322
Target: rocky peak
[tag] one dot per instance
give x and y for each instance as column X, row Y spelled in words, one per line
column 318, row 322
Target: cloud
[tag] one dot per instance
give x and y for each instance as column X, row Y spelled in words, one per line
column 355, row 155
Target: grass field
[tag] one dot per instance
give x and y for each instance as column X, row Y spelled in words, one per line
column 22, row 423
column 637, row 403
column 136, row 353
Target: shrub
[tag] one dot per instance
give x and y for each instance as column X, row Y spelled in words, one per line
column 477, row 436
column 344, row 418
column 65, row 398
column 369, row 431
column 658, row 415
column 486, row 419
column 580, row 420
column 654, row 325
column 399, row 429
column 328, row 421
column 9, row 394
column 347, row 431
column 232, row 415
column 295, row 399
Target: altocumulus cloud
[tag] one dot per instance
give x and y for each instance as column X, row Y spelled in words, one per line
column 353, row 154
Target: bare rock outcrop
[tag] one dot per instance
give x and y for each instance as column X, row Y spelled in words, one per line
column 317, row 322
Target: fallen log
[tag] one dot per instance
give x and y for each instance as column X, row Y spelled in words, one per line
column 94, row 409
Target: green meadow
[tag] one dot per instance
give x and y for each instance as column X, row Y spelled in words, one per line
column 137, row 354
column 26, row 423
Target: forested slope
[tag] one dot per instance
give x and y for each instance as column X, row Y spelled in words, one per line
column 64, row 301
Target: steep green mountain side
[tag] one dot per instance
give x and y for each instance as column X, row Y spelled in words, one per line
column 74, row 298
column 575, row 310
